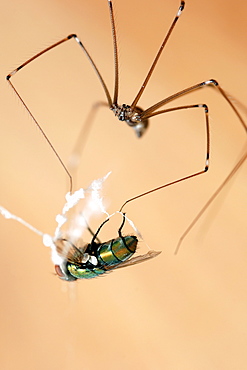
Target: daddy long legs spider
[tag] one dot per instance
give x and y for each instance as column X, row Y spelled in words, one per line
column 136, row 117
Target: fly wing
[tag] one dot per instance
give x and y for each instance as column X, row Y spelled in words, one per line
column 135, row 260
column 69, row 251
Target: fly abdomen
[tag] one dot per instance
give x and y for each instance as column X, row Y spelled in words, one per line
column 107, row 256
column 117, row 250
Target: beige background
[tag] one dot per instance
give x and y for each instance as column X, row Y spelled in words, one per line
column 175, row 312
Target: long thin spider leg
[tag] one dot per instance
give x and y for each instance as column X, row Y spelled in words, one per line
column 192, row 175
column 109, row 99
column 29, row 111
column 90, row 230
column 205, row 107
column 38, row 55
column 224, row 94
column 181, row 7
column 160, row 187
column 74, row 159
column 74, row 36
column 43, row 133
column 150, row 111
column 114, row 37
column 97, row 232
column 120, row 232
column 121, row 227
column 211, row 199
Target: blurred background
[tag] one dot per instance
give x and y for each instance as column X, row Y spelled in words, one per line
column 175, row 312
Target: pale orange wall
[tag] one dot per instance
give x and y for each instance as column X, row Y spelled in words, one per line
column 174, row 312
